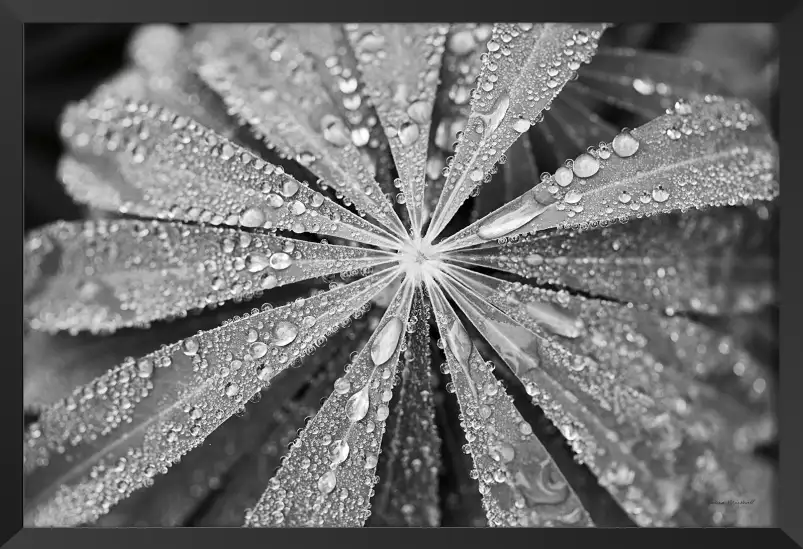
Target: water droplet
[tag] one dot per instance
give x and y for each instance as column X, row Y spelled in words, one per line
column 232, row 389
column 386, row 341
column 573, row 197
column 265, row 373
column 290, row 187
column 555, row 320
column 419, row 112
column 625, row 144
column 280, row 261
column 334, row 131
column 339, row 452
column 327, row 482
column 659, row 194
column 255, row 262
column 252, row 217
column 269, row 281
column 682, row 107
column 258, row 350
column 624, row 197
column 357, row 405
column 342, row 386
column 284, row 333
column 563, row 176
column 476, row 175
column 190, row 347
column 382, row 412
column 144, row 368
column 521, row 125
column 297, row 208
column 408, row 133
column 459, row 342
column 505, row 223
column 274, row 200
column 494, row 118
column 585, row 165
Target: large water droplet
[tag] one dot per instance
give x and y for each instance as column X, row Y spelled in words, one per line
column 459, row 342
column 521, row 125
column 252, row 217
column 284, row 333
column 555, row 320
column 494, row 118
column 190, row 347
column 327, row 482
column 573, row 197
column 339, row 452
column 290, row 187
column 625, row 144
column 357, row 405
column 659, row 194
column 506, row 222
column 419, row 112
column 585, row 165
column 563, row 176
column 259, row 349
column 256, row 262
column 334, row 131
column 386, row 341
column 280, row 261
column 408, row 133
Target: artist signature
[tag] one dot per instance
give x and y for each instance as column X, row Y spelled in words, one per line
column 734, row 502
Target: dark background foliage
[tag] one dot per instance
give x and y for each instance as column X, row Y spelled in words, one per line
column 64, row 63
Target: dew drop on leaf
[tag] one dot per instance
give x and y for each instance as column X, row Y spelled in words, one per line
column 585, row 165
column 327, row 482
column 357, row 405
column 625, row 144
column 284, row 333
column 386, row 341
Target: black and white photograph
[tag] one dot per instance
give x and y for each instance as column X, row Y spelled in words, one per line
column 401, row 274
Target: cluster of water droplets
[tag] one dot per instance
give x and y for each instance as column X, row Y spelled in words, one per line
column 328, row 475
column 302, row 97
column 500, row 114
column 107, row 274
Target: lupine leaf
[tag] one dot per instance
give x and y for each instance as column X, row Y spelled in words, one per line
column 91, row 450
column 706, row 153
column 266, row 78
column 659, row 474
column 247, row 480
column 399, row 65
column 176, row 497
column 715, row 261
column 512, row 91
column 520, row 484
column 330, row 468
column 630, row 346
column 104, row 275
column 459, row 71
column 407, row 492
column 55, row 364
column 155, row 163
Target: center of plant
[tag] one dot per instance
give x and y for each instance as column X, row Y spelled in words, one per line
column 419, row 259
